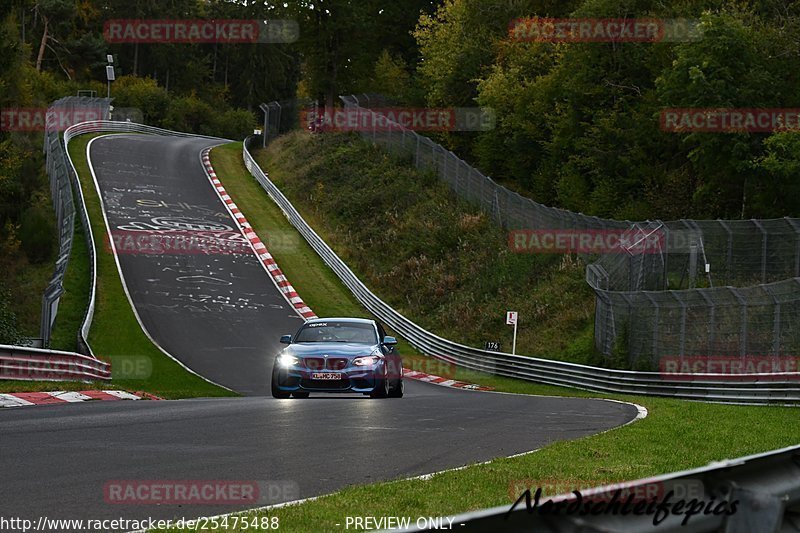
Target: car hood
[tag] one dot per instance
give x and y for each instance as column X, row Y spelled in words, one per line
column 333, row 349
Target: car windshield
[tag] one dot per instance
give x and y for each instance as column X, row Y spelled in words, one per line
column 337, row 332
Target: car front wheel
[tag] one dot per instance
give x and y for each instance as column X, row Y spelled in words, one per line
column 381, row 389
column 397, row 390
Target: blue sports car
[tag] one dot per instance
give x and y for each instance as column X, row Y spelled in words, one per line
column 338, row 355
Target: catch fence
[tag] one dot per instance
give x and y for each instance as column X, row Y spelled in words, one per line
column 713, row 287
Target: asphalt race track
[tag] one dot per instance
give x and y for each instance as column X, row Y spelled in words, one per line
column 318, row 445
column 221, row 316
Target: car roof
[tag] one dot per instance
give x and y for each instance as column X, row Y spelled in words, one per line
column 342, row 319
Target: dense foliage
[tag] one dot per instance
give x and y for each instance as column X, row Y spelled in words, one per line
column 578, row 123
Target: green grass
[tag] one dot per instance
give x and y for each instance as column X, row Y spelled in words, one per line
column 115, row 334
column 676, row 434
column 72, row 306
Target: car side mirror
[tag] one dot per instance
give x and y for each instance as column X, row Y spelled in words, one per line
column 286, row 339
column 389, row 341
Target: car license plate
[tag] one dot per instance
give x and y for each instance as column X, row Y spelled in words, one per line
column 326, row 375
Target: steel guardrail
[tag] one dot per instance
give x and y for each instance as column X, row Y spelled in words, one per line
column 22, row 363
column 765, row 488
column 781, row 388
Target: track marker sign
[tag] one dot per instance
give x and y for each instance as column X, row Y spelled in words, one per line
column 512, row 317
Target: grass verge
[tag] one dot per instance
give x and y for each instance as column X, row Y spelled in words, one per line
column 72, row 306
column 115, row 335
column 675, row 435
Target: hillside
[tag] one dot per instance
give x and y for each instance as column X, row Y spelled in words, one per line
column 435, row 258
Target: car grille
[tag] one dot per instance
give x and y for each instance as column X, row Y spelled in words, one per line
column 319, row 363
column 337, row 363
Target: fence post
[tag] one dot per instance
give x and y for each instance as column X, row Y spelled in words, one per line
column 266, row 126
column 655, row 356
column 796, row 229
column 729, row 258
column 743, row 321
column 763, row 250
column 712, row 320
column 682, row 349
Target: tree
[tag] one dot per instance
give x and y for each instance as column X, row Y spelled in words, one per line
column 56, row 16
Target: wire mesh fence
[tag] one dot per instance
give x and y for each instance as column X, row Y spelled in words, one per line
column 508, row 208
column 282, row 116
column 60, row 115
column 677, row 300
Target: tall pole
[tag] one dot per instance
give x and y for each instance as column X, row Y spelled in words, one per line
column 266, row 125
column 514, row 344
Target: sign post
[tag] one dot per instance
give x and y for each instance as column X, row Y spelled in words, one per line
column 110, row 76
column 512, row 318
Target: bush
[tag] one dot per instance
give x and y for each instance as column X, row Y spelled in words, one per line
column 235, row 124
column 143, row 94
column 9, row 331
column 191, row 115
column 37, row 233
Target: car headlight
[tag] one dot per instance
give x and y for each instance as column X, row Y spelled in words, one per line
column 285, row 360
column 366, row 361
